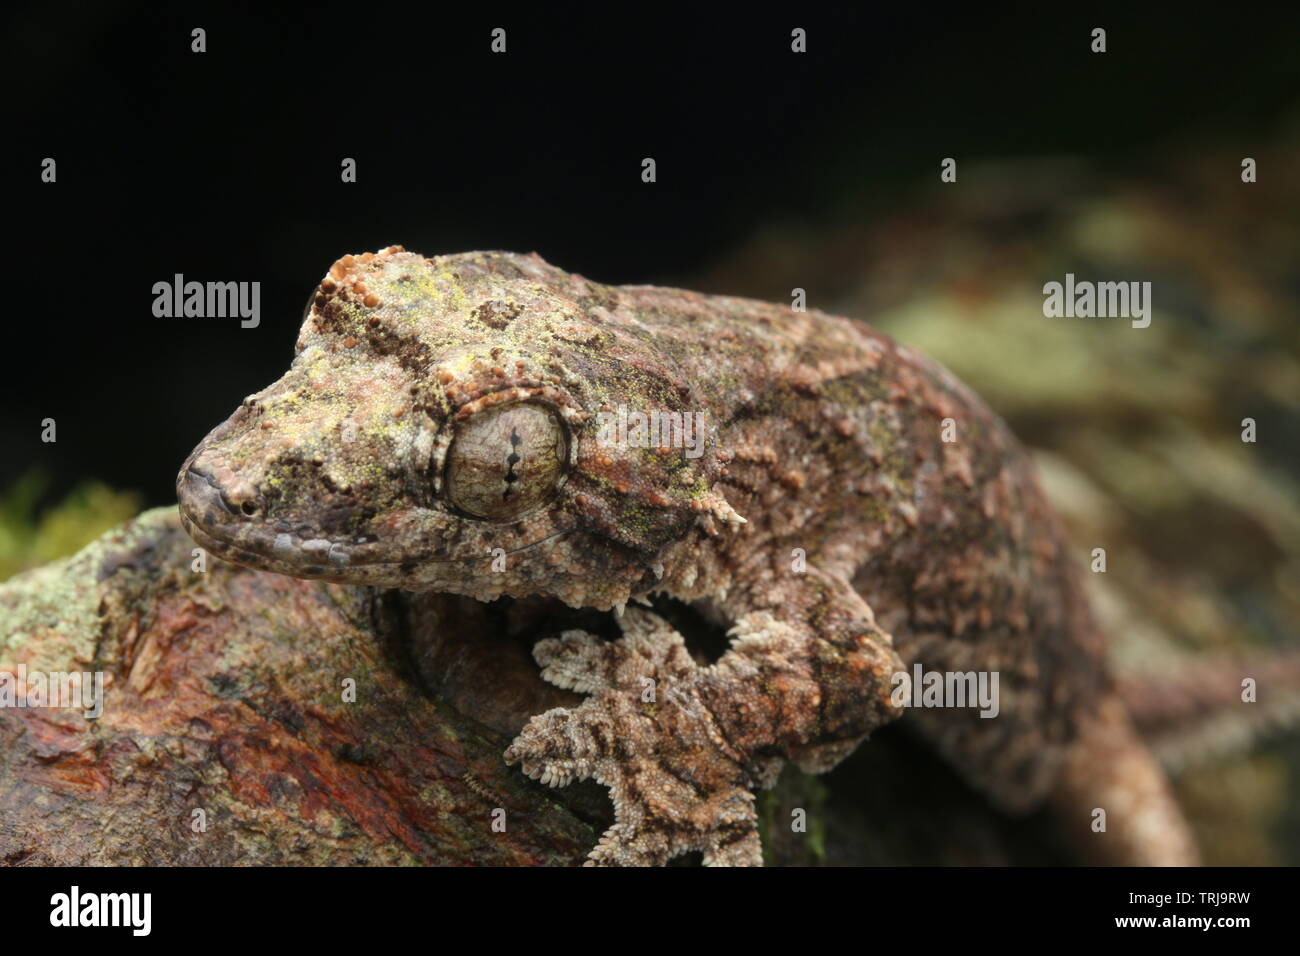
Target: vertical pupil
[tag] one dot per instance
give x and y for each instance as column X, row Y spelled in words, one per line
column 511, row 460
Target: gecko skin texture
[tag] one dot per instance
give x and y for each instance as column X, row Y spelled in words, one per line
column 440, row 429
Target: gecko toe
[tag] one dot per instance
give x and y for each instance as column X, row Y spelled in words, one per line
column 556, row 748
column 657, row 820
column 649, row 650
column 625, row 844
column 575, row 661
column 735, row 849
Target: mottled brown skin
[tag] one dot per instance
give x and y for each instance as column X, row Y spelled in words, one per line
column 438, row 431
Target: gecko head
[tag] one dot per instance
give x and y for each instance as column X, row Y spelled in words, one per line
column 460, row 424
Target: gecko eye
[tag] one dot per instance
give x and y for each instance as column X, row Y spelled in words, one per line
column 506, row 461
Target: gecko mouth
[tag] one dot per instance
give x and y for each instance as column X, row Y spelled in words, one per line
column 219, row 528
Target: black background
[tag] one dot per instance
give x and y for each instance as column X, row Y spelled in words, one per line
column 225, row 165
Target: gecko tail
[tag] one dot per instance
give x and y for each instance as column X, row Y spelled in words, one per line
column 1114, row 798
column 1199, row 711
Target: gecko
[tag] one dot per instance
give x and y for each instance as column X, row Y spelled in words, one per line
column 847, row 511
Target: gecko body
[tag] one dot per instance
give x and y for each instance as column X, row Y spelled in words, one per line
column 443, row 427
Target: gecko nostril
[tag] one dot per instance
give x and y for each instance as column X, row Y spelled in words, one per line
column 200, row 496
column 249, row 508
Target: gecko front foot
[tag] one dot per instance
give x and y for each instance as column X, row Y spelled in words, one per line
column 646, row 733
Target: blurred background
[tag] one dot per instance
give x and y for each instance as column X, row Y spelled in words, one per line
column 775, row 170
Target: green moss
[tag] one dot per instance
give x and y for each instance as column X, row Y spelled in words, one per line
column 794, row 790
column 31, row 536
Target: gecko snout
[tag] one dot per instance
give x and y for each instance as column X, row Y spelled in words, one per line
column 208, row 502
